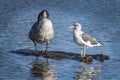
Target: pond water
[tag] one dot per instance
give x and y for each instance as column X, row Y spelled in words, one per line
column 100, row 18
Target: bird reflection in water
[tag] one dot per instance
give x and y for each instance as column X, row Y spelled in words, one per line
column 88, row 72
column 43, row 70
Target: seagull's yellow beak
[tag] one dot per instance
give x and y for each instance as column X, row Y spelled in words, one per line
column 71, row 27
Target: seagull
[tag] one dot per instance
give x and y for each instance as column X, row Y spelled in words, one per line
column 42, row 30
column 82, row 39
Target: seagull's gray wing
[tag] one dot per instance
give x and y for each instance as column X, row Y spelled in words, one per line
column 89, row 38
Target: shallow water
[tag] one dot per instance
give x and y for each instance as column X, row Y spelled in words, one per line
column 99, row 18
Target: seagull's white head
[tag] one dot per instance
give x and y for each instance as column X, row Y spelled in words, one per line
column 76, row 26
column 43, row 14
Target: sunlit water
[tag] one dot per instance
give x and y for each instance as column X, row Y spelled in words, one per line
column 99, row 18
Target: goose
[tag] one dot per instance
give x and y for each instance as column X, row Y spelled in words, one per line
column 42, row 30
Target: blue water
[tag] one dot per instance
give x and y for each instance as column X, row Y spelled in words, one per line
column 100, row 18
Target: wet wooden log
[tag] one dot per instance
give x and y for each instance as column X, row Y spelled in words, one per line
column 63, row 55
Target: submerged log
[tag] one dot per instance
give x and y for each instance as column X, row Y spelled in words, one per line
column 63, row 55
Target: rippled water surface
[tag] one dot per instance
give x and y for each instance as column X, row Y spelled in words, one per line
column 100, row 18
